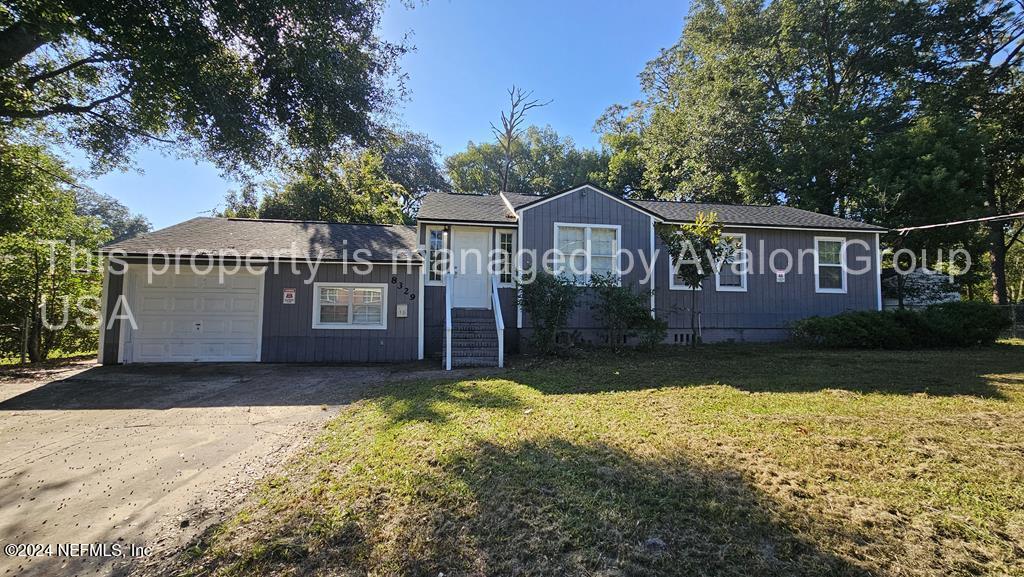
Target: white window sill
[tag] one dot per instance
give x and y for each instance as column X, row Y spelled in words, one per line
column 334, row 326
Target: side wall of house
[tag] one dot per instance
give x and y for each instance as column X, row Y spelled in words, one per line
column 289, row 336
column 766, row 309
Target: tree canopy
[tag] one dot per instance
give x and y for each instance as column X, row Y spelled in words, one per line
column 378, row 184
column 237, row 81
column 544, row 162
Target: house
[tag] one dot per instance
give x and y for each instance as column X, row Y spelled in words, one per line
column 215, row 289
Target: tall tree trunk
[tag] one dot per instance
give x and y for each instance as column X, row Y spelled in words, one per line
column 997, row 260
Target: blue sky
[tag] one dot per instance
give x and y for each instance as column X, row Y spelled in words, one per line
column 584, row 55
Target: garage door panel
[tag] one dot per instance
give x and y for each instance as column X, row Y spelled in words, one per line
column 216, row 304
column 245, row 283
column 244, row 305
column 189, row 318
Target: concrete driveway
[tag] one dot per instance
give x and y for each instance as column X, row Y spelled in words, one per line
column 149, row 455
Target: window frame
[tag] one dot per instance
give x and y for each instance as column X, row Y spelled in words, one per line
column 842, row 265
column 511, row 262
column 317, row 324
column 616, row 255
column 427, row 259
column 746, row 266
column 673, row 285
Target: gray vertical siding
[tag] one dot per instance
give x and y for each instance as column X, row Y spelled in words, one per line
column 288, row 335
column 111, row 344
column 588, row 206
column 768, row 307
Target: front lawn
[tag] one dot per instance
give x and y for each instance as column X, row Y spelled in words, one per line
column 728, row 460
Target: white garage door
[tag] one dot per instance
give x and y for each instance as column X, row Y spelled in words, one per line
column 188, row 317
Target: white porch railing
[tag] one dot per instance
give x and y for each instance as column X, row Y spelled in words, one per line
column 499, row 322
column 448, row 321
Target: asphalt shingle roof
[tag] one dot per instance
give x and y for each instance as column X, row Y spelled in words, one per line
column 275, row 239
column 490, row 208
column 737, row 214
column 483, row 208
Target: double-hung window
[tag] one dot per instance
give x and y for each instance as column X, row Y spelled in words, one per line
column 829, row 264
column 732, row 273
column 349, row 306
column 506, row 250
column 437, row 261
column 586, row 250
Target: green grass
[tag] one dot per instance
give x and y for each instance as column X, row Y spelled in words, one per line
column 56, row 357
column 728, row 460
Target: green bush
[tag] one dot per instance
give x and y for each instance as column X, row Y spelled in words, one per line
column 955, row 324
column 548, row 300
column 624, row 313
column 963, row 324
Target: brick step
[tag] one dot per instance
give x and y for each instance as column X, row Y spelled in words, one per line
column 474, row 344
column 472, row 314
column 493, row 334
column 475, row 362
column 491, row 350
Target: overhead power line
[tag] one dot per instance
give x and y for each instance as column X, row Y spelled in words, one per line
column 1011, row 216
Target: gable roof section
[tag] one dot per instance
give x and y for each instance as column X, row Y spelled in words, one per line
column 469, row 208
column 754, row 215
column 284, row 239
column 539, row 200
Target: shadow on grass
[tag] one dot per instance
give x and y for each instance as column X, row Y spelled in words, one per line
column 548, row 508
column 783, row 368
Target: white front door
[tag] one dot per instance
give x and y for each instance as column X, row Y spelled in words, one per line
column 470, row 248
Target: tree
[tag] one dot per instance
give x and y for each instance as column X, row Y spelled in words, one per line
column 410, row 159
column 696, row 251
column 352, row 188
column 239, row 80
column 49, row 282
column 770, row 102
column 546, row 163
column 114, row 215
column 926, row 174
column 381, row 183
column 520, row 103
column 621, row 128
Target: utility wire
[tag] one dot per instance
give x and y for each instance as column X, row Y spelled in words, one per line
column 1011, row 216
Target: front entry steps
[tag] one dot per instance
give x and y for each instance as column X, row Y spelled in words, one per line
column 474, row 338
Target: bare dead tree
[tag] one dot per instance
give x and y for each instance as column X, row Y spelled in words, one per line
column 520, row 102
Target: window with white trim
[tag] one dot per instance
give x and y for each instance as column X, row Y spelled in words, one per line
column 676, row 281
column 506, row 249
column 349, row 306
column 586, row 250
column 732, row 274
column 436, row 254
column 829, row 264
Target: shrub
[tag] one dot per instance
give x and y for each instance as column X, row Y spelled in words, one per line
column 548, row 300
column 624, row 313
column 955, row 324
column 963, row 324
